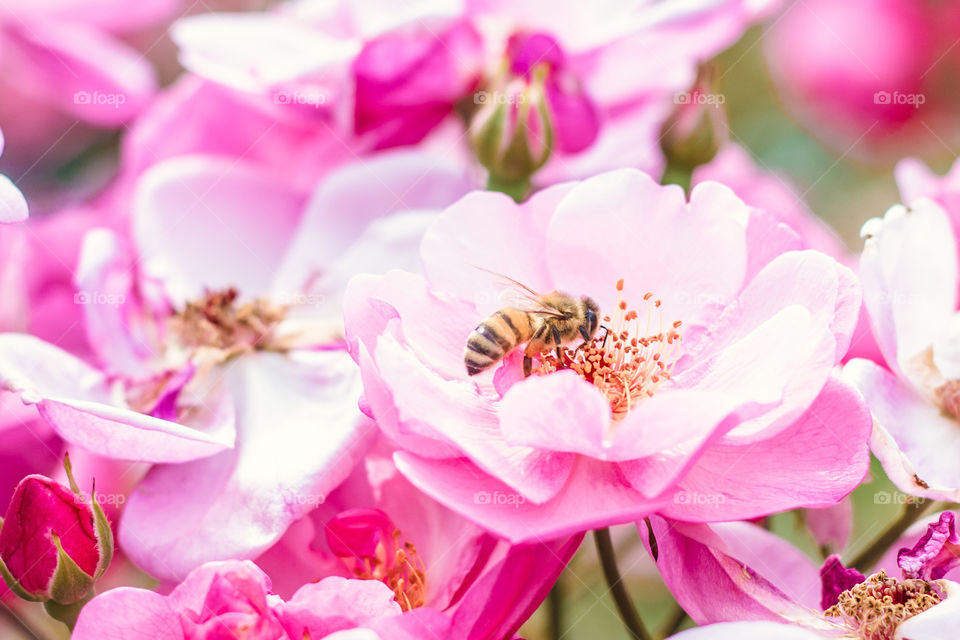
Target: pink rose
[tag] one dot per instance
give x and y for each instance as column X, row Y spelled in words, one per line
column 220, row 600
column 727, row 361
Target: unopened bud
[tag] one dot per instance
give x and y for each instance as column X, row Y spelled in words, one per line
column 55, row 542
column 511, row 133
column 697, row 128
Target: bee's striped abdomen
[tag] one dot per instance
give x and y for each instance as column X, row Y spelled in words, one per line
column 494, row 338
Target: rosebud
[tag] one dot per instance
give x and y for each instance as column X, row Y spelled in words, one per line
column 511, row 133
column 697, row 127
column 55, row 542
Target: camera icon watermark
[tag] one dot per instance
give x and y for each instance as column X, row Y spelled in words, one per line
column 896, row 497
column 896, row 97
column 313, row 99
column 103, row 499
column 97, row 297
column 98, row 98
column 499, row 498
column 699, row 97
column 498, row 97
column 699, row 499
column 307, row 499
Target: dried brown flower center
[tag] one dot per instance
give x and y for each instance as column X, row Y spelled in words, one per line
column 218, row 320
column 627, row 361
column 875, row 607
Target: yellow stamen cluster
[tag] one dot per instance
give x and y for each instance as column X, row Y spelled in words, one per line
column 875, row 607
column 404, row 572
column 217, row 320
column 627, row 362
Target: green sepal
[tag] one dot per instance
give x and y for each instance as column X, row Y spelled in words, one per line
column 518, row 163
column 104, row 533
column 101, row 524
column 487, row 137
column 69, row 583
column 15, row 586
column 68, row 468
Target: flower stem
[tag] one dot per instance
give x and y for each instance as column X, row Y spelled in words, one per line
column 677, row 617
column 869, row 556
column 555, row 609
column 628, row 614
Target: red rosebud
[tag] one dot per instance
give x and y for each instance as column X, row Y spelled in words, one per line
column 54, row 541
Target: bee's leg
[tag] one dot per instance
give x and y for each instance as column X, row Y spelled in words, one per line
column 527, row 366
column 556, row 341
column 586, row 339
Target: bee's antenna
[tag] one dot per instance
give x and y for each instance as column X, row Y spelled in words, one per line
column 605, row 334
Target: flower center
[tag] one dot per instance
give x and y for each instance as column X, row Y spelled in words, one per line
column 219, row 321
column 875, row 607
column 370, row 547
column 627, row 361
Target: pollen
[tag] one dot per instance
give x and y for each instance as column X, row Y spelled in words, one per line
column 874, row 608
column 396, row 564
column 220, row 321
column 629, row 360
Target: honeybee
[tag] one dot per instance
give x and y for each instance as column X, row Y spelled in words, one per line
column 543, row 321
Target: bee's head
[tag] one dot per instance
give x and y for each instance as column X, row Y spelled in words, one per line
column 592, row 314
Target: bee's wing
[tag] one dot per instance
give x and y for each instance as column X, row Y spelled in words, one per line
column 517, row 295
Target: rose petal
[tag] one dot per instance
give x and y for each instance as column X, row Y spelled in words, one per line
column 594, row 496
column 748, row 631
column 13, row 206
column 299, row 434
column 909, row 274
column 89, row 75
column 462, row 417
column 199, row 225
column 455, row 263
column 74, row 400
column 914, row 441
column 827, row 447
column 350, row 199
column 257, row 51
column 126, row 613
column 601, row 223
column 734, row 571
